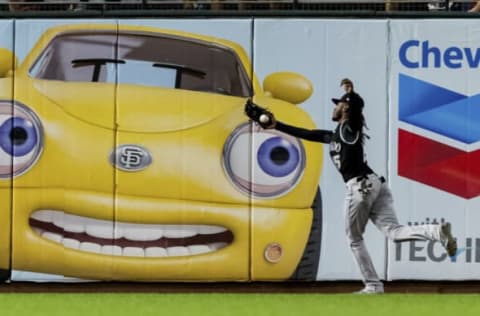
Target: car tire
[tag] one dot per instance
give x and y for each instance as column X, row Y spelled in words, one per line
column 4, row 275
column 308, row 267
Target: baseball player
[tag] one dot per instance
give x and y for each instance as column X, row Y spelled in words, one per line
column 368, row 195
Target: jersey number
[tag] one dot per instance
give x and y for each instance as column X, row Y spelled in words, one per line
column 336, row 161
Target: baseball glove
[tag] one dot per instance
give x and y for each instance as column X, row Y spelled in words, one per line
column 259, row 114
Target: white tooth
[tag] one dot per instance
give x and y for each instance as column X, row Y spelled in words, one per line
column 58, row 219
column 71, row 243
column 74, row 228
column 133, row 252
column 217, row 245
column 43, row 216
column 90, row 247
column 155, row 252
column 198, row 249
column 137, row 232
column 101, row 230
column 112, row 250
column 73, row 224
column 208, row 230
column 119, row 231
column 177, row 251
column 178, row 231
column 96, row 222
column 52, row 236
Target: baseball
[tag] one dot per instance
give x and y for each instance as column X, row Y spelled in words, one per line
column 264, row 118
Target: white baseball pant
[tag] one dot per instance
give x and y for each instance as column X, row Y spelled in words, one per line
column 367, row 198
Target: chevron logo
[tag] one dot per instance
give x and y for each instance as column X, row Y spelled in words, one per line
column 434, row 109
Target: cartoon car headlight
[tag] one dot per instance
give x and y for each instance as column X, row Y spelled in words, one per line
column 276, row 165
column 20, row 139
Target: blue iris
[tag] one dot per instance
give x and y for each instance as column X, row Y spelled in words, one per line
column 18, row 136
column 278, row 157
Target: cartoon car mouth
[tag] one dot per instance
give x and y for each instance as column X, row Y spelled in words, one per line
column 128, row 239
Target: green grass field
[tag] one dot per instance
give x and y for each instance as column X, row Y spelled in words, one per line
column 138, row 304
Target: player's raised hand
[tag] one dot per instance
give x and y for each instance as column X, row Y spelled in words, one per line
column 260, row 115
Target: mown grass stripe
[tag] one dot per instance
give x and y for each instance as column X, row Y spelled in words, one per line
column 138, row 304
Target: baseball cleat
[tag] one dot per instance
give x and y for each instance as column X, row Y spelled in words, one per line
column 447, row 239
column 371, row 289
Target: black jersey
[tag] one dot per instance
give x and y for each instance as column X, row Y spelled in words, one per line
column 346, row 147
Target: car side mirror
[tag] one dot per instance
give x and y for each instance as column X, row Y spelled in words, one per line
column 8, row 62
column 288, row 86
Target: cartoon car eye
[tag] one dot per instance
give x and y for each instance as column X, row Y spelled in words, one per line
column 276, row 164
column 21, row 139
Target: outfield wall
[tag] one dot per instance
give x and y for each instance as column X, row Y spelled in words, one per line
column 110, row 173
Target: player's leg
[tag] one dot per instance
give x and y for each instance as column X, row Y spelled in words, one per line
column 384, row 217
column 357, row 209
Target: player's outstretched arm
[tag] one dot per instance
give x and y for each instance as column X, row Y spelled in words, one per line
column 314, row 135
column 267, row 120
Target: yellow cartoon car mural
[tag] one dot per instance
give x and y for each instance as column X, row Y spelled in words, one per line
column 130, row 158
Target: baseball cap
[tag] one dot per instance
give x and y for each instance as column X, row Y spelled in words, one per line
column 352, row 98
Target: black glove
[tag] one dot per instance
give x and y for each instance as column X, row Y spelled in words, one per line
column 261, row 115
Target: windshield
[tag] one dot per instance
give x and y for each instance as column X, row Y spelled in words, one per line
column 169, row 62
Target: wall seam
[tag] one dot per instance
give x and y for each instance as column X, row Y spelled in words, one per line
column 388, row 127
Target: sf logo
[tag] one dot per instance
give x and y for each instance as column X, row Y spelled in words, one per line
column 130, row 158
